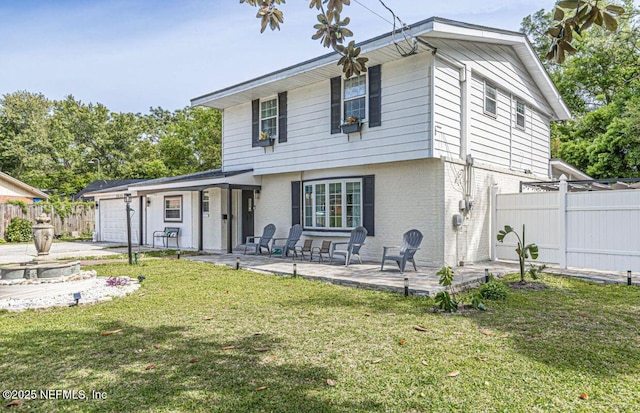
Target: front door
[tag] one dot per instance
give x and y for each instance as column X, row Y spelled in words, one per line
column 247, row 215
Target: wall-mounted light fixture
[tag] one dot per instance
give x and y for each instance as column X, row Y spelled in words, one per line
column 257, row 193
column 148, row 201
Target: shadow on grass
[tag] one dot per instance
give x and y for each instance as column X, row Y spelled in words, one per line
column 220, row 379
column 587, row 328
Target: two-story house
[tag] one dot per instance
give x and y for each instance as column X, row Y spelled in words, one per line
column 433, row 131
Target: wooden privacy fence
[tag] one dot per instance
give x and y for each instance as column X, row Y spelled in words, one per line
column 80, row 220
column 594, row 229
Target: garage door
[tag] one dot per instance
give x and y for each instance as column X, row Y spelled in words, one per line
column 113, row 221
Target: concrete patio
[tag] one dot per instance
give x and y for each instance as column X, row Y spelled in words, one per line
column 368, row 275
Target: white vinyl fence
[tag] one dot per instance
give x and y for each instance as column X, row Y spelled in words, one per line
column 596, row 229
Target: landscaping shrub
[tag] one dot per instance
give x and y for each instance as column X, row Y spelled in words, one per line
column 19, row 230
column 494, row 290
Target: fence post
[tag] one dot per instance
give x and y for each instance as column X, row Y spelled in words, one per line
column 494, row 221
column 562, row 221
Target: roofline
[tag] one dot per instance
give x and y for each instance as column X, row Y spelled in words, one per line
column 561, row 164
column 24, row 186
column 560, row 109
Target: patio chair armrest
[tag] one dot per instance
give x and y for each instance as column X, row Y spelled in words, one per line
column 162, row 233
column 385, row 249
column 279, row 239
column 334, row 244
column 253, row 238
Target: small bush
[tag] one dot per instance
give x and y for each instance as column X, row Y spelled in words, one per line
column 494, row 290
column 19, row 230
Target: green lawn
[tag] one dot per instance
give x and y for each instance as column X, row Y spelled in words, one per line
column 302, row 346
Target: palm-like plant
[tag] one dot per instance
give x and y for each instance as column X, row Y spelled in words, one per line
column 523, row 250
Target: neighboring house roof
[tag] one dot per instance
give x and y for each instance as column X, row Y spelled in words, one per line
column 29, row 191
column 560, row 167
column 191, row 182
column 382, row 49
column 101, row 184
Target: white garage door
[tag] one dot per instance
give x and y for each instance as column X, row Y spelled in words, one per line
column 113, row 220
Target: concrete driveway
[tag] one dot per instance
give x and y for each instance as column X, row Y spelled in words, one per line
column 12, row 253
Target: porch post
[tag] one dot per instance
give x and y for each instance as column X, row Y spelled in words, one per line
column 229, row 219
column 200, row 219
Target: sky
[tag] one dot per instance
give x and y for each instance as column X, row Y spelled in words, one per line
column 133, row 55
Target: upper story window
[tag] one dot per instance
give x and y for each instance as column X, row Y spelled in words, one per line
column 333, row 204
column 269, row 117
column 490, row 100
column 520, row 114
column 355, row 98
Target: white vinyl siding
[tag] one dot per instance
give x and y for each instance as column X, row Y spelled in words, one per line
column 447, row 110
column 403, row 135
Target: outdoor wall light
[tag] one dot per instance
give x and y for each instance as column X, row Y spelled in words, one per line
column 127, row 198
column 148, row 201
column 257, row 193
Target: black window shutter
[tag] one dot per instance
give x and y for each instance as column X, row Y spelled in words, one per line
column 336, row 91
column 295, row 202
column 375, row 88
column 255, row 121
column 282, row 117
column 368, row 204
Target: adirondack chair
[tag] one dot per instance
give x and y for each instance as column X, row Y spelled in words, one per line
column 411, row 241
column 356, row 241
column 257, row 243
column 287, row 244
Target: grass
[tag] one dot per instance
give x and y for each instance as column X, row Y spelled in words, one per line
column 302, row 346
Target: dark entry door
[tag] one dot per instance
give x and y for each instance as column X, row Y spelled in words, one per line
column 247, row 215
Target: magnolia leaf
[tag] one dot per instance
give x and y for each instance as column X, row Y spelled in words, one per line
column 260, row 388
column 150, row 367
column 486, row 332
column 584, row 396
column 610, row 22
column 331, row 382
column 228, row 347
column 376, row 361
column 420, row 328
column 261, row 349
column 157, row 346
column 615, row 9
column 14, row 403
column 505, row 335
column 453, row 373
column 570, row 4
column 558, row 14
column 402, row 342
column 424, row 363
column 193, row 361
column 599, row 19
column 108, row 333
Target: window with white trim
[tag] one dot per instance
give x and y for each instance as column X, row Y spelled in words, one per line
column 269, row 117
column 354, row 98
column 490, row 100
column 173, row 208
column 205, row 202
column 520, row 114
column 333, row 204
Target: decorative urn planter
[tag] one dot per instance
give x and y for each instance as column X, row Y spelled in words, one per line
column 42, row 237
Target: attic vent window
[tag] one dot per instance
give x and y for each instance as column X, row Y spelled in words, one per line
column 490, row 100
